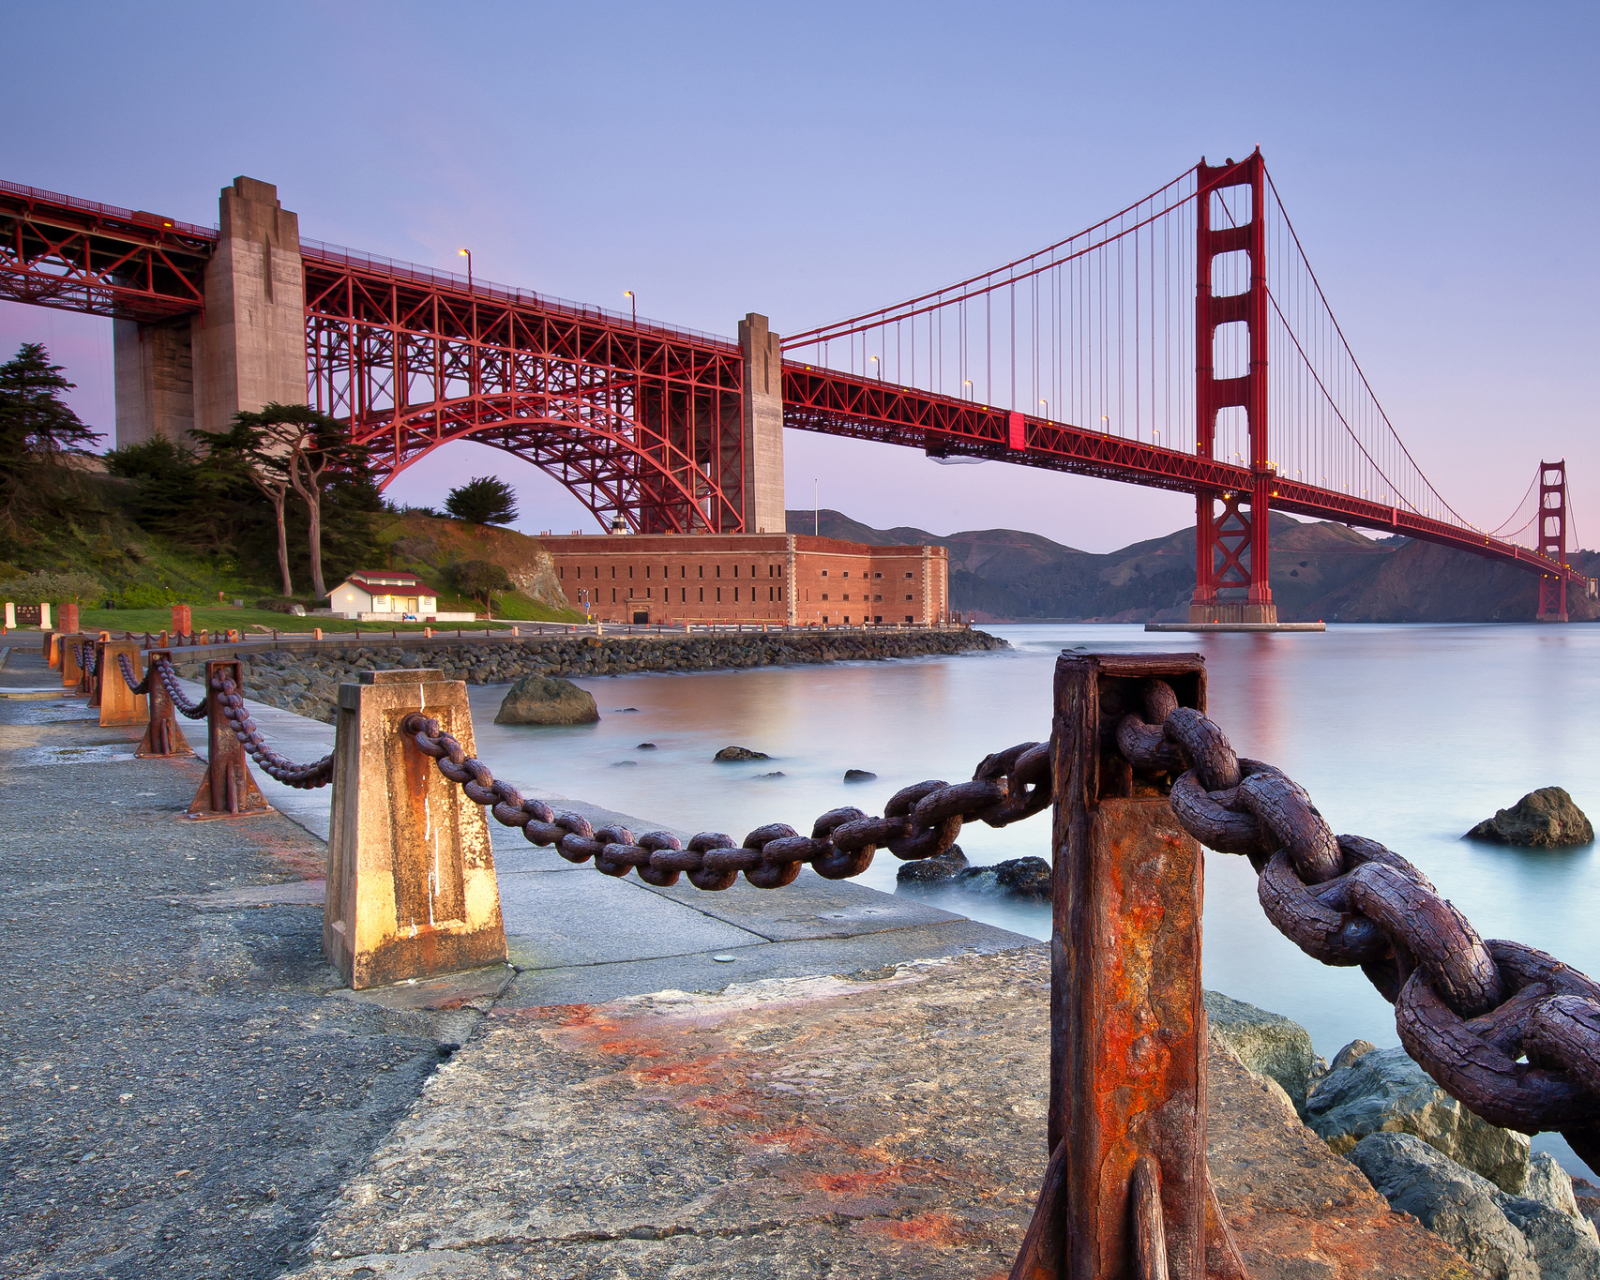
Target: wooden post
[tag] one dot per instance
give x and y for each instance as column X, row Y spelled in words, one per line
column 228, row 790
column 163, row 737
column 1127, row 1177
column 411, row 885
column 97, row 677
column 120, row 705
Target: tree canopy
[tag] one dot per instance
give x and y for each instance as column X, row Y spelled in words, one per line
column 483, row 500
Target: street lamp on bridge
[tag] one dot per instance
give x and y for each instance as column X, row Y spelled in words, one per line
column 633, row 302
column 467, row 254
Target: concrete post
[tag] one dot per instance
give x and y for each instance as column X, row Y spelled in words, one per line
column 251, row 348
column 11, row 616
column 763, row 427
column 71, row 670
column 228, row 789
column 69, row 617
column 120, row 705
column 411, row 886
column 44, row 616
column 154, row 380
column 182, row 623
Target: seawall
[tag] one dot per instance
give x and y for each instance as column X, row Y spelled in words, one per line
column 305, row 677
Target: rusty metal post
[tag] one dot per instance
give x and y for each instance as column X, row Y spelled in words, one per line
column 411, row 885
column 1127, row 1180
column 163, row 737
column 229, row 789
column 52, row 649
column 120, row 705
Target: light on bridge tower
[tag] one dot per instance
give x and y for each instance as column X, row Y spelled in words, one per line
column 1231, row 554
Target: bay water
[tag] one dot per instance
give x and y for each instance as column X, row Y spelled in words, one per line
column 1406, row 734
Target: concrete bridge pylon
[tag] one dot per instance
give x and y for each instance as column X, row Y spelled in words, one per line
column 247, row 348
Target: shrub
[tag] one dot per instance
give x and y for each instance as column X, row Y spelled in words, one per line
column 143, row 596
column 57, row 588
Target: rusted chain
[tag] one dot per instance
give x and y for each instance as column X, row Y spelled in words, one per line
column 920, row 821
column 1511, row 1032
column 180, row 700
column 85, row 656
column 137, row 686
column 307, row 777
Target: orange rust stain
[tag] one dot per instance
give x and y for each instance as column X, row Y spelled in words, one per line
column 928, row 1228
column 840, row 1184
column 631, row 1047
column 690, row 1073
column 797, row 1137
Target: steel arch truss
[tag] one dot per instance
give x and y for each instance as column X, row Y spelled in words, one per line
column 637, row 421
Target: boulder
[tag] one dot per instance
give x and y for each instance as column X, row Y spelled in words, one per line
column 1565, row 1246
column 740, row 753
column 1550, row 1184
column 1542, row 819
column 933, row 871
column 645, row 746
column 1384, row 1091
column 540, row 699
column 859, row 775
column 1024, row 878
column 1267, row 1043
column 1454, row 1203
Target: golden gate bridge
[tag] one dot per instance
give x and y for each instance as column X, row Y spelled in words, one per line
column 1182, row 343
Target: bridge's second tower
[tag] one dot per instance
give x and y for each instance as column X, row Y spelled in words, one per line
column 1553, row 539
column 1231, row 555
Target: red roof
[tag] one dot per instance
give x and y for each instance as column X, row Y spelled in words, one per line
column 383, row 581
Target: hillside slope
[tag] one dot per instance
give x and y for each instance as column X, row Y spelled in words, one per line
column 429, row 545
column 1320, row 571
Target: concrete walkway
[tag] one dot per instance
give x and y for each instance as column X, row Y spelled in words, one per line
column 576, row 936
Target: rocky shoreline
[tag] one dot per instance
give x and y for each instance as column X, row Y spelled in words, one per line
column 305, row 679
column 1513, row 1214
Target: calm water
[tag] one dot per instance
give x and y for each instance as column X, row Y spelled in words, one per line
column 1405, row 734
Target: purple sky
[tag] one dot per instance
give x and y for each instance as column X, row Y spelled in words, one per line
column 812, row 161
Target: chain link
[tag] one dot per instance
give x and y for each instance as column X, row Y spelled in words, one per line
column 919, row 822
column 307, row 777
column 169, row 681
column 137, row 686
column 1509, row 1031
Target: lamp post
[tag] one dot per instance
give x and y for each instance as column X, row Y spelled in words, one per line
column 1045, row 405
column 634, row 302
column 875, row 361
column 467, row 254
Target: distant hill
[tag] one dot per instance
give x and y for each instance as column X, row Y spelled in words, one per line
column 1320, row 571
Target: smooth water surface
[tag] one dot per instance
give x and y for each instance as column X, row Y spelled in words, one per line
column 1406, row 734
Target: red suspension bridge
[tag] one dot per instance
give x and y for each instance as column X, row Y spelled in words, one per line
column 1136, row 350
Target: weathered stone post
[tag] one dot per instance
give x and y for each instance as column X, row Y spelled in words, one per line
column 1126, row 1184
column 411, row 885
column 229, row 789
column 182, row 624
column 71, row 670
column 163, row 737
column 11, row 616
column 120, row 705
column 69, row 617
column 44, row 616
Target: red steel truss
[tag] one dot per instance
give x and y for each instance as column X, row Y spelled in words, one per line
column 838, row 404
column 635, row 418
column 639, row 420
column 59, row 251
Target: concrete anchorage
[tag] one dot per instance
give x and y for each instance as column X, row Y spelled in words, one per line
column 249, row 347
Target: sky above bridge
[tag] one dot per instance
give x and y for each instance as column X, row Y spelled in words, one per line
column 810, row 162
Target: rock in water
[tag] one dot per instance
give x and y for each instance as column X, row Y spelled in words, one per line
column 1542, row 819
column 740, row 753
column 1024, row 878
column 859, row 775
column 933, row 871
column 547, row 700
column 1268, row 1043
column 1386, row 1092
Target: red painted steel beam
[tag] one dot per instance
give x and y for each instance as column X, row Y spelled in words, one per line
column 59, row 251
column 823, row 400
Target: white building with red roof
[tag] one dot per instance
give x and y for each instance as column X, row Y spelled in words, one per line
column 389, row 595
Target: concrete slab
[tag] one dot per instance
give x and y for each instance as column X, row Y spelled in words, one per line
column 291, row 893
column 809, row 908
column 556, row 921
column 761, row 960
column 476, row 988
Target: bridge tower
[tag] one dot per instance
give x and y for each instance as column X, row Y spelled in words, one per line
column 1231, row 555
column 246, row 348
column 1553, row 539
